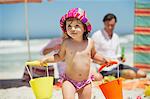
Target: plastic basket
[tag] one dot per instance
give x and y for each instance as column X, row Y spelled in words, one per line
column 113, row 89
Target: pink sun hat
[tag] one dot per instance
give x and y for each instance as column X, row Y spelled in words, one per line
column 75, row 13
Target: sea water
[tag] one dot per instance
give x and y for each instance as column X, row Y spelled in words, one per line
column 14, row 54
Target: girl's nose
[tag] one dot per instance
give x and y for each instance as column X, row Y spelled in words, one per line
column 73, row 28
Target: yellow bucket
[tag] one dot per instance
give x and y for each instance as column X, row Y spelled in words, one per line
column 42, row 87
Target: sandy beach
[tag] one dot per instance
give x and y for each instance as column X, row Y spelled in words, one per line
column 26, row 93
column 16, row 89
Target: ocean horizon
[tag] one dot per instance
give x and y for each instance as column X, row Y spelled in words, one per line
column 47, row 36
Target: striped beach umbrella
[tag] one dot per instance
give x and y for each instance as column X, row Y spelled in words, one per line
column 17, row 1
column 142, row 35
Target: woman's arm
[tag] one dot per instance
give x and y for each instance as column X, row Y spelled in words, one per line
column 47, row 50
column 50, row 49
column 52, row 45
column 57, row 57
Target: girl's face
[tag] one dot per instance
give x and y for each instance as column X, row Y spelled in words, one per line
column 75, row 28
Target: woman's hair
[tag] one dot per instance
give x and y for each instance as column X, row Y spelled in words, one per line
column 85, row 34
column 109, row 17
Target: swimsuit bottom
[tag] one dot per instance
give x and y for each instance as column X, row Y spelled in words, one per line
column 77, row 84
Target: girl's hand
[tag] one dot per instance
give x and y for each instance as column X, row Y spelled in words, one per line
column 106, row 61
column 44, row 61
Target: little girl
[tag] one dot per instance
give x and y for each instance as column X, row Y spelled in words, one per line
column 77, row 50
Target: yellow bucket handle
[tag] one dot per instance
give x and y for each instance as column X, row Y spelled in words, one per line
column 35, row 63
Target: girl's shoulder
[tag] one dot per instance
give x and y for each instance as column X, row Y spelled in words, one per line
column 66, row 41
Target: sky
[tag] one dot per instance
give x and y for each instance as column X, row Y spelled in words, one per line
column 43, row 18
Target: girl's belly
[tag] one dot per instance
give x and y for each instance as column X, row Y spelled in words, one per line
column 78, row 73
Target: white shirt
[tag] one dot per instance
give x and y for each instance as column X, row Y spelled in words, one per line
column 108, row 47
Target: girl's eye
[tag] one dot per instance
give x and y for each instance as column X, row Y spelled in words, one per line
column 77, row 25
column 69, row 25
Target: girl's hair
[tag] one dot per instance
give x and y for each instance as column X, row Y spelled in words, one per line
column 85, row 34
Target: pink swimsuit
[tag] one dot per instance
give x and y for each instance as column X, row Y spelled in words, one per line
column 77, row 84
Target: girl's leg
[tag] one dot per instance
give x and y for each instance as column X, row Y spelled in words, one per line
column 85, row 92
column 68, row 90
